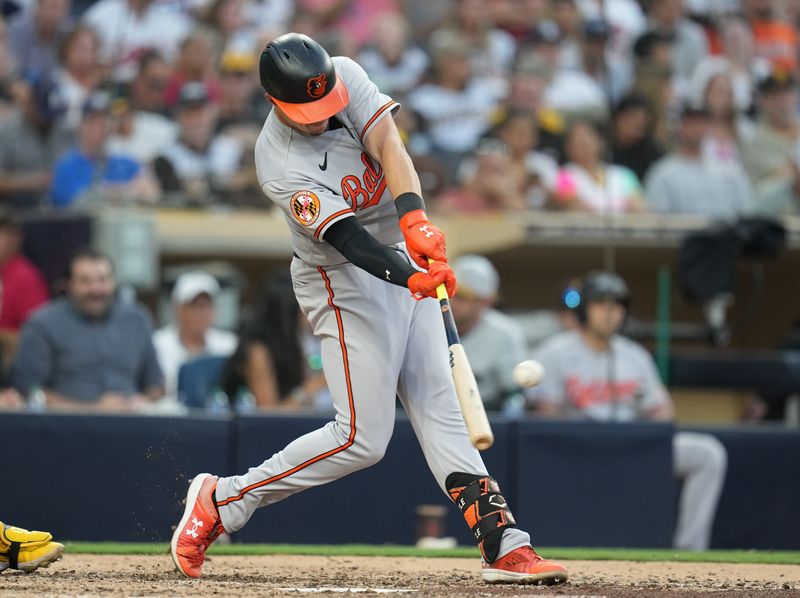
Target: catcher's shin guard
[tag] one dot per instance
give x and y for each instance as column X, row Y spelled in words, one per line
column 484, row 508
column 27, row 550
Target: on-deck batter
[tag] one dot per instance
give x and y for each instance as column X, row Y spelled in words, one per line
column 331, row 158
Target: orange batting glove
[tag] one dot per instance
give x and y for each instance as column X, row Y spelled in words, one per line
column 423, row 240
column 423, row 284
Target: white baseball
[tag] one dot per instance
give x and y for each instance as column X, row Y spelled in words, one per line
column 528, row 373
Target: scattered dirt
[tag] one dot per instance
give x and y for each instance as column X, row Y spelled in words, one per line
column 284, row 576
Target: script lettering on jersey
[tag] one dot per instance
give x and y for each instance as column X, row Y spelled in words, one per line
column 366, row 190
column 585, row 394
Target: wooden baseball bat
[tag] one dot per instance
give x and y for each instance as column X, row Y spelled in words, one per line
column 469, row 397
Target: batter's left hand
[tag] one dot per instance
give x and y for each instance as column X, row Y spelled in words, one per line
column 423, row 284
column 424, row 240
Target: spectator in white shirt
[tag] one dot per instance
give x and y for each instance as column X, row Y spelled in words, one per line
column 566, row 15
column 456, row 106
column 728, row 130
column 689, row 42
column 79, row 73
column 494, row 343
column 567, row 90
column 492, row 49
column 391, row 62
column 192, row 334
column 142, row 131
column 127, row 28
column 34, row 38
column 199, row 164
column 684, row 183
column 612, row 72
column 738, row 60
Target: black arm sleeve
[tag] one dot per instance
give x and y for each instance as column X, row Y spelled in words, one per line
column 363, row 250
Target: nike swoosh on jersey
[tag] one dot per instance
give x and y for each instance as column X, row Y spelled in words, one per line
column 324, row 165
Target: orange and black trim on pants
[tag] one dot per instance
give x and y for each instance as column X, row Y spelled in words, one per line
column 352, row 436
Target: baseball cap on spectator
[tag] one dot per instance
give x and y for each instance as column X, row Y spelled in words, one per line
column 191, row 285
column 547, row 32
column 596, row 30
column 193, row 94
column 491, row 146
column 777, row 80
column 646, row 44
column 237, row 62
column 632, row 101
column 445, row 43
column 98, row 102
column 49, row 99
column 692, row 110
column 476, row 276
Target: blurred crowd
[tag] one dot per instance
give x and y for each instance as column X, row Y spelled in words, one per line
column 667, row 106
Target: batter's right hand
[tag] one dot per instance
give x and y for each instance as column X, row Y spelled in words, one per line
column 423, row 284
column 424, row 240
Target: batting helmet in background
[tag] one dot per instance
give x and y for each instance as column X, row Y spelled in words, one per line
column 299, row 76
column 598, row 286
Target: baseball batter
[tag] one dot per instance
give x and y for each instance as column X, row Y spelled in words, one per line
column 331, row 158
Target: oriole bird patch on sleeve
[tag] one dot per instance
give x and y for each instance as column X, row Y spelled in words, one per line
column 305, row 207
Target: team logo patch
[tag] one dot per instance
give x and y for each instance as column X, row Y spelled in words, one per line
column 305, row 207
column 317, row 85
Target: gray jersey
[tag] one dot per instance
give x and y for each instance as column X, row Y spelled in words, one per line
column 620, row 384
column 319, row 180
column 494, row 346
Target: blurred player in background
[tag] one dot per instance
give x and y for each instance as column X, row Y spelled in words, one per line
column 494, row 343
column 595, row 373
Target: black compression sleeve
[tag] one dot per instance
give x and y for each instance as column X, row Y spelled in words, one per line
column 363, row 250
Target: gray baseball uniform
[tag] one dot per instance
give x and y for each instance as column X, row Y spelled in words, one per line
column 622, row 384
column 494, row 346
column 377, row 341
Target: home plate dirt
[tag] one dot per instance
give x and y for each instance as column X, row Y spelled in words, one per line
column 286, row 576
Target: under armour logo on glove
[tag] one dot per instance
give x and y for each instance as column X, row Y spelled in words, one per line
column 428, row 232
column 195, row 524
column 423, row 240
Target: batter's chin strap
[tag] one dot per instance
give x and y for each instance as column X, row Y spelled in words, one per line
column 484, row 508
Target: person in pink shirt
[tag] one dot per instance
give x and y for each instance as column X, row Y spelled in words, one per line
column 23, row 286
column 353, row 20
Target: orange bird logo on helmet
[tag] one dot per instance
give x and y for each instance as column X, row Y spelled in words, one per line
column 317, row 85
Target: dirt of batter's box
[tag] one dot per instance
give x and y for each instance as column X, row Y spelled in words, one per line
column 283, row 576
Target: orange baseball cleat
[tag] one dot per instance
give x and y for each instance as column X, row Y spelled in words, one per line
column 198, row 528
column 523, row 565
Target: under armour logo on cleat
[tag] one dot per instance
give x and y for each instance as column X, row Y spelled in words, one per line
column 424, row 229
column 195, row 524
column 387, row 276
